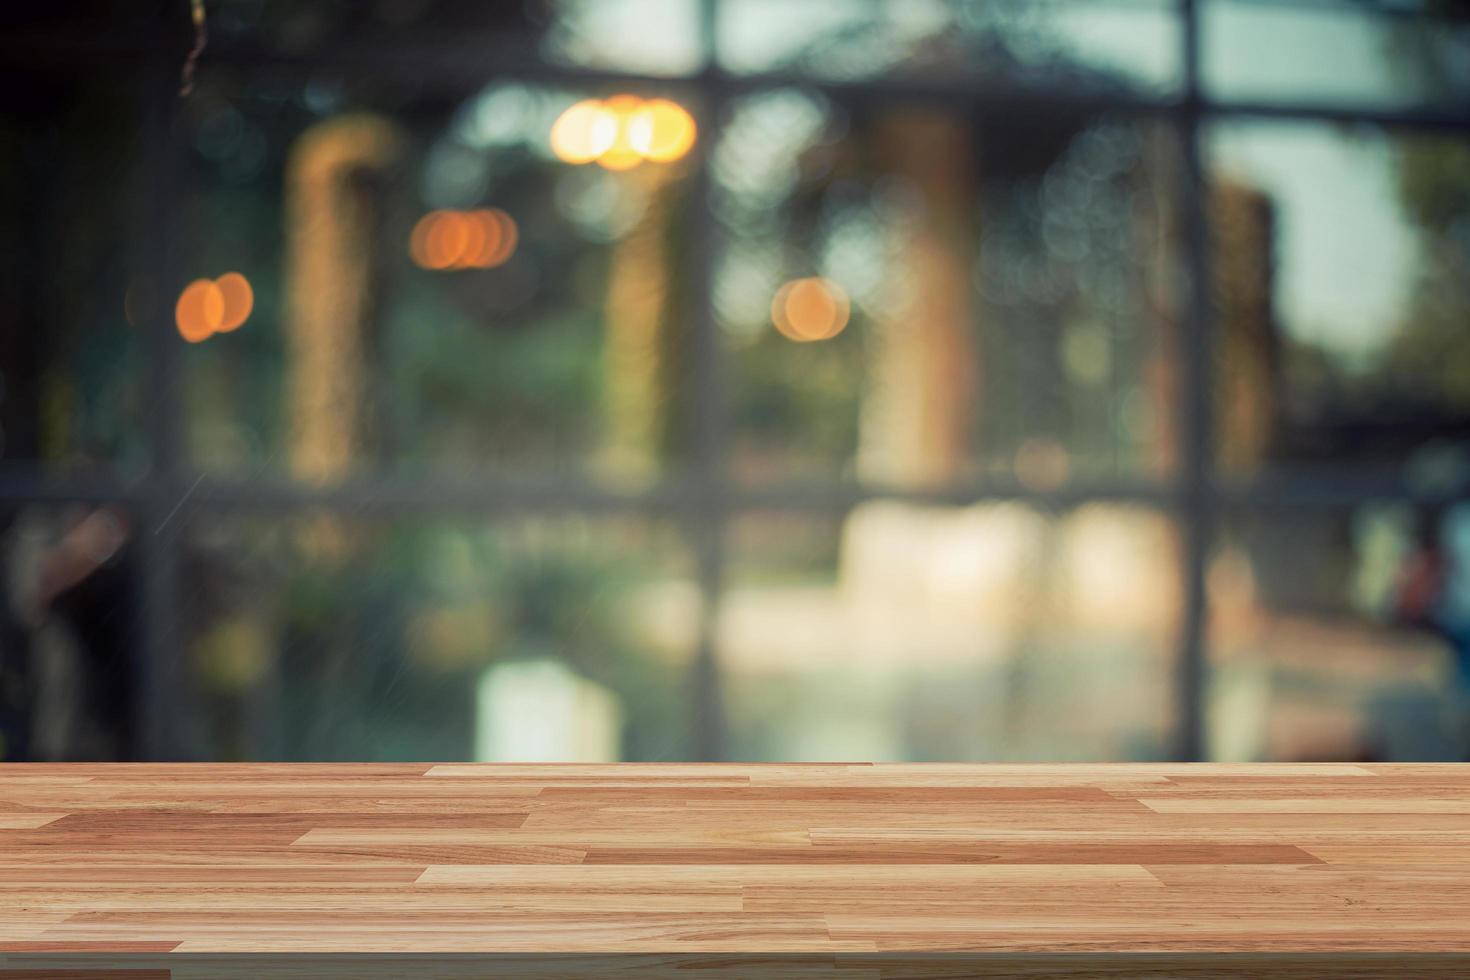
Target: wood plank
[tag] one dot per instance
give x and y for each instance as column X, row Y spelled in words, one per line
column 959, row 852
column 743, row 865
column 28, row 821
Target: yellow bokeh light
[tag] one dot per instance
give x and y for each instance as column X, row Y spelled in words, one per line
column 622, row 107
column 621, row 154
column 584, row 132
column 622, row 132
column 661, row 131
column 200, row 310
column 620, row 157
column 239, row 300
column 810, row 309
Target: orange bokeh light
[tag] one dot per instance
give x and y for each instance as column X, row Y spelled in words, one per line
column 810, row 309
column 477, row 235
column 498, row 238
column 239, row 300
column 210, row 306
column 622, row 132
column 200, row 310
column 418, row 240
column 449, row 237
column 480, row 239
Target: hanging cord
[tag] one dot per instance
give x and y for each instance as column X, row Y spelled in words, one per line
column 201, row 37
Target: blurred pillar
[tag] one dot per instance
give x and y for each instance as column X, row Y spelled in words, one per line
column 332, row 233
column 1246, row 380
column 636, row 351
column 1247, row 386
column 1156, row 205
column 917, row 418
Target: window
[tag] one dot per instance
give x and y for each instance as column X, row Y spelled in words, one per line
column 981, row 380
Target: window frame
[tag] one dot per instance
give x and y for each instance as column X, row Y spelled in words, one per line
column 1194, row 494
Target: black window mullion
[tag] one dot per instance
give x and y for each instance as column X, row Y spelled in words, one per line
column 163, row 506
column 706, row 510
column 1196, row 503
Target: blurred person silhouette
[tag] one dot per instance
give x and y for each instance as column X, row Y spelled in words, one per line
column 70, row 653
column 1433, row 592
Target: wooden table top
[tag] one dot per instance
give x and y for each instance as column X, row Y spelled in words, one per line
column 788, row 859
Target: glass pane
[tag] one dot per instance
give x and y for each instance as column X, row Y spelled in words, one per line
column 914, row 296
column 1337, row 53
column 1341, row 634
column 70, row 646
column 1344, row 292
column 72, row 326
column 538, row 638
column 654, row 37
column 990, row 632
column 1103, row 46
column 550, row 340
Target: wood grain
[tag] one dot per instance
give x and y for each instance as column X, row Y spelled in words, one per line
column 737, row 861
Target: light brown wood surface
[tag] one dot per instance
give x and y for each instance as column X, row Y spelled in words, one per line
column 740, row 859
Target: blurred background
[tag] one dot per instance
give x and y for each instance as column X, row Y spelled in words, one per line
column 735, row 379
